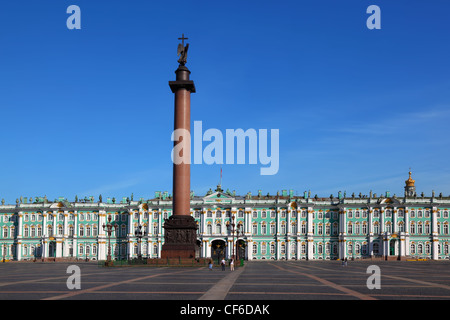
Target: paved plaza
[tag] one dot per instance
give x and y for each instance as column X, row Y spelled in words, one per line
column 257, row 281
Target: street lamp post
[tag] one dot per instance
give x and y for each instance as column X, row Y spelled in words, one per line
column 108, row 228
column 238, row 234
column 140, row 234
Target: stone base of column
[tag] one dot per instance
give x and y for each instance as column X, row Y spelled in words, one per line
column 180, row 237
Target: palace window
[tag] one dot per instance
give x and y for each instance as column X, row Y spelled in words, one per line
column 427, row 228
column 412, row 248
column 263, row 248
column 327, row 229
column 303, row 249
column 263, row 229
column 303, row 230
column 264, row 214
column 388, row 227
column 218, row 214
column 272, row 249
column 445, row 228
column 255, row 248
column 419, row 228
column 255, row 228
column 240, row 214
column 209, row 229
column 419, row 248
column 376, row 228
column 350, row 228
column 218, row 228
column 357, row 228
column 376, row 248
column 272, row 228
column 283, row 228
column 412, row 228
column 364, row 228
column 357, row 248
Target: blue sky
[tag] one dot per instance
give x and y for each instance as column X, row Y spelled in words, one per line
column 88, row 112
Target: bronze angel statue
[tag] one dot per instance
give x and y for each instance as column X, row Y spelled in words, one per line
column 182, row 52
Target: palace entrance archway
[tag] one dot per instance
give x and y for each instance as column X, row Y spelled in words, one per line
column 218, row 250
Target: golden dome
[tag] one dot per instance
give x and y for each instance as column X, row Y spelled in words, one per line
column 410, row 182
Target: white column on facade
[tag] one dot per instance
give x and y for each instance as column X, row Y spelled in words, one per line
column 130, row 234
column 102, row 251
column 288, row 248
column 342, row 233
column 75, row 233
column 370, row 229
column 434, row 234
column 19, row 236
column 406, row 219
column 394, row 220
column 203, row 221
column 65, row 242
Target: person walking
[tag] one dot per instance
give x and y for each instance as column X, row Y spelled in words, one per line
column 210, row 265
column 232, row 264
column 223, row 264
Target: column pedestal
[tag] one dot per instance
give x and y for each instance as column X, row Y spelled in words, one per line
column 180, row 238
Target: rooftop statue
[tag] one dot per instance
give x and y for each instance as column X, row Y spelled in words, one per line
column 182, row 51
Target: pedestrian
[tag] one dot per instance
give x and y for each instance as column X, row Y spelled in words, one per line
column 345, row 261
column 223, row 264
column 232, row 264
column 210, row 265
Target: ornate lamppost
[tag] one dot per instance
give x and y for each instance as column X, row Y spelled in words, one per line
column 238, row 234
column 108, row 228
column 138, row 233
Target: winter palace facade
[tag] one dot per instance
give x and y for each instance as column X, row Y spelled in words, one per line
column 281, row 226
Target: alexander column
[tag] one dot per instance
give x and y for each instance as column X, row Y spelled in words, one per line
column 180, row 238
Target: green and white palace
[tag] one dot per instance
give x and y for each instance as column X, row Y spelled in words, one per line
column 263, row 227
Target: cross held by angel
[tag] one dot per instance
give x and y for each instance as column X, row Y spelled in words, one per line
column 182, row 51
